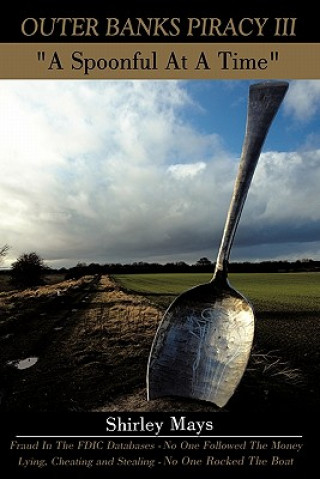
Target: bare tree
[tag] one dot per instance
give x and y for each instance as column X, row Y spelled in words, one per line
column 3, row 251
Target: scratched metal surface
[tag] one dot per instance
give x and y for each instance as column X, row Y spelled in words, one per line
column 202, row 349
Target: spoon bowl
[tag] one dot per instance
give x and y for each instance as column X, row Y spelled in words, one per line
column 206, row 335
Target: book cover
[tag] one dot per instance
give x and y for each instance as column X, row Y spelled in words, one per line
column 145, row 151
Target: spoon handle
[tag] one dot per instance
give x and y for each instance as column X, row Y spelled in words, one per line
column 263, row 103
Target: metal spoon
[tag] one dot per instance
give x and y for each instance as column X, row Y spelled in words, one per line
column 203, row 342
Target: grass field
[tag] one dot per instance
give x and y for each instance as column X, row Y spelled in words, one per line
column 92, row 340
column 267, row 291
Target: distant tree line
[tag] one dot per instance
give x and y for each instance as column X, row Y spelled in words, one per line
column 204, row 265
column 30, row 270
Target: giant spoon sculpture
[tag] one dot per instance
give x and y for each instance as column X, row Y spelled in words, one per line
column 203, row 343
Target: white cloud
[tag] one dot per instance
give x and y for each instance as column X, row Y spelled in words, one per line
column 113, row 171
column 286, row 186
column 84, row 166
column 182, row 171
column 303, row 99
column 282, row 216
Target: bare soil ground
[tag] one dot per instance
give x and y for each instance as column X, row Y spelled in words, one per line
column 91, row 341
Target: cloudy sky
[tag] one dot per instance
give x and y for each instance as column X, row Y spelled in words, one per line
column 123, row 171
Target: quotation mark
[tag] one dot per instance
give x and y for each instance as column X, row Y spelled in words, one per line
column 274, row 56
column 41, row 56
